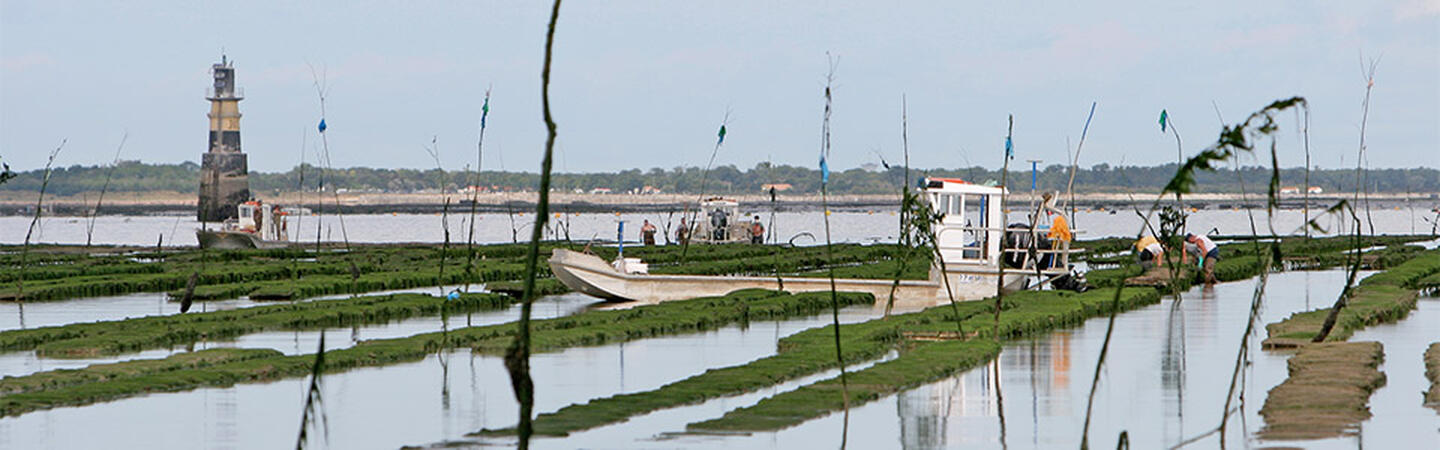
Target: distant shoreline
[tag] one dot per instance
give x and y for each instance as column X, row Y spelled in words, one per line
column 168, row 203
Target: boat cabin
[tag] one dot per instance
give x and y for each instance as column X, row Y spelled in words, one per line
column 267, row 222
column 971, row 222
column 719, row 221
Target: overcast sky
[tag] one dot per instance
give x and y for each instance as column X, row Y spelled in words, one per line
column 640, row 84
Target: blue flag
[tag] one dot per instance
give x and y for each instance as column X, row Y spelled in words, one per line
column 1164, row 119
column 1009, row 148
column 722, row 135
column 322, row 125
column 824, row 170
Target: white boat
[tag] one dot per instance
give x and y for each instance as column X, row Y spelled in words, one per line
column 969, row 234
column 719, row 222
column 257, row 225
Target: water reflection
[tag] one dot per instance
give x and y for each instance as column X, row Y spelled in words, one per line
column 292, row 342
column 1164, row 380
column 1172, row 365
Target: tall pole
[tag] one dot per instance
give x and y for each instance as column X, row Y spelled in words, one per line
column 1034, row 179
column 1004, row 227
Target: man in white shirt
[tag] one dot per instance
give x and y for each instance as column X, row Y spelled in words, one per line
column 1205, row 249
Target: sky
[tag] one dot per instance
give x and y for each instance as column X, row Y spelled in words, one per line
column 642, row 84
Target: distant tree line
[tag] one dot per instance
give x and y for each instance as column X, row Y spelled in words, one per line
column 184, row 177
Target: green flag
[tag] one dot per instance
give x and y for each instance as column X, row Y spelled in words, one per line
column 722, row 135
column 484, row 110
column 1164, row 117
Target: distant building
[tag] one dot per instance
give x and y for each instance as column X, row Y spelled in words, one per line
column 1289, row 190
column 650, row 190
column 778, row 187
column 600, row 191
column 1316, row 190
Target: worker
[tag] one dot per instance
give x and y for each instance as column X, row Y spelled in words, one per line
column 757, row 231
column 682, row 235
column 648, row 232
column 1149, row 253
column 1059, row 229
column 1204, row 250
column 1059, row 234
column 719, row 224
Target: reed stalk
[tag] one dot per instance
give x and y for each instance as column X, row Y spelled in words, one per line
column 30, row 231
column 1070, row 186
column 300, row 187
column 905, row 251
column 704, row 176
column 1004, row 185
column 829, row 252
column 1305, row 131
column 328, row 165
column 313, row 413
column 1231, row 142
column 434, row 151
column 1000, row 282
column 475, row 190
column 109, row 174
column 1359, row 173
column 517, row 356
column 1267, row 259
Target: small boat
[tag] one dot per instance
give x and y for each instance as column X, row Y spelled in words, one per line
column 257, row 225
column 969, row 235
column 719, row 222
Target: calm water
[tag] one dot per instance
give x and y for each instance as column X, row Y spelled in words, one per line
column 1397, row 406
column 1165, row 380
column 847, row 226
column 301, row 342
column 116, row 307
column 413, row 403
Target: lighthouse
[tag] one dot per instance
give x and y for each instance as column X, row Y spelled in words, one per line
column 224, row 172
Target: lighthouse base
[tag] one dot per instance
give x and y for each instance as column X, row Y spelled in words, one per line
column 224, row 183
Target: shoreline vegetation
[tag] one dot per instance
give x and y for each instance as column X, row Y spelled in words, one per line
column 142, row 188
column 870, row 178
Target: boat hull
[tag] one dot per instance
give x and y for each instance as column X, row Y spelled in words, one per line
column 233, row 240
column 591, row 275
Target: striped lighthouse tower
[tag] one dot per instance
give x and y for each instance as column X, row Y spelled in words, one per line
column 224, row 171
